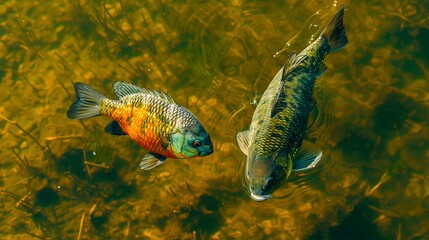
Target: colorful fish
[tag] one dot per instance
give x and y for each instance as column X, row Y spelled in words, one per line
column 151, row 118
column 273, row 143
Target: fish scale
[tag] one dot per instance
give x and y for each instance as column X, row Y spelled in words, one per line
column 151, row 111
column 275, row 138
column 151, row 118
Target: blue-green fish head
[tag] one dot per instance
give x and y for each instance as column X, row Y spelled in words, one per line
column 191, row 142
column 264, row 178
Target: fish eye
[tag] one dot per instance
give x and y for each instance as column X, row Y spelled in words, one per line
column 197, row 143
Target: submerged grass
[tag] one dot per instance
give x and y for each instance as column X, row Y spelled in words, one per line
column 68, row 179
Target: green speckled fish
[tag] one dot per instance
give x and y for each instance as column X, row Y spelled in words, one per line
column 273, row 143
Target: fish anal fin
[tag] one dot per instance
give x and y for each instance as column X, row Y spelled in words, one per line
column 151, row 160
column 114, row 128
column 308, row 157
column 243, row 141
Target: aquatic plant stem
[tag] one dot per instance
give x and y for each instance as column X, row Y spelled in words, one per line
column 20, row 228
column 399, row 234
column 22, row 200
column 23, row 130
column 96, row 165
column 24, row 164
column 82, row 220
column 127, row 230
column 15, row 184
column 383, row 179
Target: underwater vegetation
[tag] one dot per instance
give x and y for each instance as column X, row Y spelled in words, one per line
column 68, row 179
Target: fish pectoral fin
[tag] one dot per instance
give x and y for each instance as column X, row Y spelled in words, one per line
column 243, row 141
column 307, row 161
column 114, row 128
column 151, row 160
column 307, row 157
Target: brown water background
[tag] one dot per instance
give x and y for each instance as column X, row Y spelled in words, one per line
column 68, row 179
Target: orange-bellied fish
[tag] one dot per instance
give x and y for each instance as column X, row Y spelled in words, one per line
column 151, row 118
column 273, row 143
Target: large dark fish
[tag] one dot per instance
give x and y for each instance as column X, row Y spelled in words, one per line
column 273, row 143
column 151, row 118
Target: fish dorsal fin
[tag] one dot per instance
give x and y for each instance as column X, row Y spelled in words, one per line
column 293, row 61
column 243, row 141
column 123, row 89
column 276, row 104
column 162, row 95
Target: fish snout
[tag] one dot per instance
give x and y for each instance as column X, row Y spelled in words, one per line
column 258, row 189
column 206, row 152
column 259, row 198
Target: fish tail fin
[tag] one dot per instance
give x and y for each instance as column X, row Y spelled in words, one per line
column 87, row 103
column 335, row 32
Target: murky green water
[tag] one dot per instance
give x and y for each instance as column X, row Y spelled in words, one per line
column 68, row 179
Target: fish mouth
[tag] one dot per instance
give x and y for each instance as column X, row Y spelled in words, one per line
column 205, row 153
column 259, row 198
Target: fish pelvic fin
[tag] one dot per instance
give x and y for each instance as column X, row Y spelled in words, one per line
column 87, row 103
column 151, row 160
column 335, row 32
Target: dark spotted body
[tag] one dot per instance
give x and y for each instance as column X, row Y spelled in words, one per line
column 279, row 122
column 292, row 97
